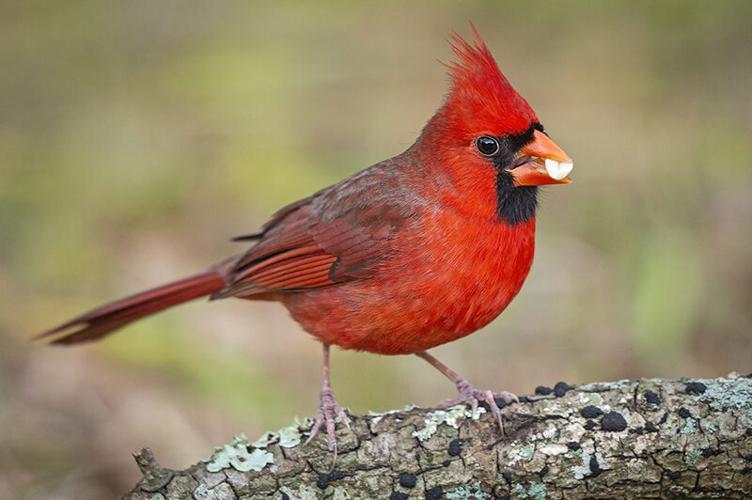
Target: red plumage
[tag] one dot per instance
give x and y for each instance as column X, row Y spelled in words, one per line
column 108, row 318
column 413, row 252
column 481, row 97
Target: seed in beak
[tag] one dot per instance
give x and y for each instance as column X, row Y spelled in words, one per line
column 558, row 170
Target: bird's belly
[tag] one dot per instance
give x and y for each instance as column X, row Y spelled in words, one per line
column 450, row 288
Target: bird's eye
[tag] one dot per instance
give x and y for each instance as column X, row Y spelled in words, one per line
column 488, row 146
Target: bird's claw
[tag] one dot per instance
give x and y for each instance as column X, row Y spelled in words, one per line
column 469, row 394
column 329, row 412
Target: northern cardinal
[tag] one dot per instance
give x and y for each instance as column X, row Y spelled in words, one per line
column 408, row 254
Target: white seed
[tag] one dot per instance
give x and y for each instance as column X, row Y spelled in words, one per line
column 557, row 170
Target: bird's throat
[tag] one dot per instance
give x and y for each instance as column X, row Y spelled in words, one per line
column 514, row 205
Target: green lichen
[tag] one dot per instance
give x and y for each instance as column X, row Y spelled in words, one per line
column 708, row 426
column 549, row 433
column 534, row 491
column 723, row 394
column 290, row 437
column 287, row 437
column 450, row 417
column 222, row 491
column 517, row 453
column 157, row 496
column 537, row 491
column 467, row 492
column 580, row 471
column 573, row 454
column 648, row 385
column 235, row 455
column 692, row 456
column 340, row 494
column 265, row 440
column 583, row 470
column 553, row 407
column 589, row 398
column 690, row 426
column 201, row 492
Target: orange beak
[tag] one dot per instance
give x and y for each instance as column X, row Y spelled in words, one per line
column 546, row 163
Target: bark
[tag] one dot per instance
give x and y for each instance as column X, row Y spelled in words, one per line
column 632, row 438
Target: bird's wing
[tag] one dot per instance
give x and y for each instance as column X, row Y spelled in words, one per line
column 337, row 235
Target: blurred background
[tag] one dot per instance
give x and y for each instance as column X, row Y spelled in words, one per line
column 137, row 137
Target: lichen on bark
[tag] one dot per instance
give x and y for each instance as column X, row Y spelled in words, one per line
column 631, row 438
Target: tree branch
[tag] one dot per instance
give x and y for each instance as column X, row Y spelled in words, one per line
column 641, row 438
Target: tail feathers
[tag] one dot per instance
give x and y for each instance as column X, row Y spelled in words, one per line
column 110, row 317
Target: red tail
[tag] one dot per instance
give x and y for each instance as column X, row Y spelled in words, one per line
column 110, row 317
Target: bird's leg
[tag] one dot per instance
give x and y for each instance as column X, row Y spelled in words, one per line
column 329, row 410
column 467, row 392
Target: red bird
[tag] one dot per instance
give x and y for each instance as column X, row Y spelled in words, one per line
column 412, row 252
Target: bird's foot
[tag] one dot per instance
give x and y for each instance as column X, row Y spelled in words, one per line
column 329, row 412
column 469, row 394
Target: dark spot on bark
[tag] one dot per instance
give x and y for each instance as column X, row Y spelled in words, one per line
column 683, row 412
column 328, row 477
column 590, row 425
column 446, row 463
column 407, row 480
column 674, row 475
column 595, row 468
column 695, row 388
column 650, row 427
column 455, row 447
column 434, row 493
column 485, row 406
column 507, row 477
column 398, row 495
column 710, row 452
column 652, row 398
column 573, row 445
column 663, row 419
column 746, row 470
column 561, row 388
column 613, row 422
column 542, row 390
column 285, row 496
column 749, row 432
column 502, row 497
column 523, row 399
column 543, row 471
column 591, row 412
column 638, row 430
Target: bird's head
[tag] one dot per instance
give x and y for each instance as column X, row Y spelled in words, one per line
column 488, row 139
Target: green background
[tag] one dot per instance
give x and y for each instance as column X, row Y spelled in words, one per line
column 137, row 137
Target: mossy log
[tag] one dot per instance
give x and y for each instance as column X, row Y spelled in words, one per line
column 646, row 438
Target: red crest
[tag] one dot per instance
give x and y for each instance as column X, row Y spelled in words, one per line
column 481, row 99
